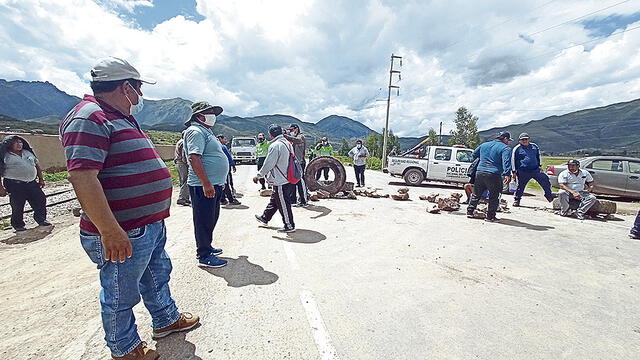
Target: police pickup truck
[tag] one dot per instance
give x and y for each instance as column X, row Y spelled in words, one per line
column 446, row 164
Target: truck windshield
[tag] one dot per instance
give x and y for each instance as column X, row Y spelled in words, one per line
column 243, row 142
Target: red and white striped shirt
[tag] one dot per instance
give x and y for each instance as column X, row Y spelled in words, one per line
column 135, row 180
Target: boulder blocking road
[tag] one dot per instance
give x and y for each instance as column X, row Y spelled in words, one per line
column 359, row 279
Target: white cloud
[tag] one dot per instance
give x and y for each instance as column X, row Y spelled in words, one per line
column 501, row 59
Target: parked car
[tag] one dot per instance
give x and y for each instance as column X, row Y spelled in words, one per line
column 243, row 149
column 612, row 175
column 447, row 164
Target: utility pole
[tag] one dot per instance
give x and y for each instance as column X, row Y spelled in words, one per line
column 440, row 137
column 385, row 135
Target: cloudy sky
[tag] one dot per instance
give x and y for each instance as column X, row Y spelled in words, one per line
column 507, row 61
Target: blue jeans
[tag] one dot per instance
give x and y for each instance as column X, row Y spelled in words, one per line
column 146, row 273
column 206, row 212
column 541, row 178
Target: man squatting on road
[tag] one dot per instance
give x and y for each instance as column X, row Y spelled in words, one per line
column 577, row 184
column 275, row 169
column 208, row 170
column 124, row 189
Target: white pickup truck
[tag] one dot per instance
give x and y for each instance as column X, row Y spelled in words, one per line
column 446, row 164
column 243, row 149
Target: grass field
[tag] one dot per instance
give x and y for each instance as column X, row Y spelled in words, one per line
column 546, row 161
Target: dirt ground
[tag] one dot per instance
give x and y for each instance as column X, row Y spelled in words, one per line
column 360, row 279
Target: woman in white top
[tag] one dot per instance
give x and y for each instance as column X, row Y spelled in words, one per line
column 22, row 180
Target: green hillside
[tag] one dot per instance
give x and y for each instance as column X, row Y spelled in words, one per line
column 613, row 129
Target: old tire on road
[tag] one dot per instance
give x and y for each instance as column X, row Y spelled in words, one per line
column 322, row 162
column 413, row 177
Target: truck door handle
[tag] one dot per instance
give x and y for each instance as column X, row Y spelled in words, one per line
column 457, row 164
column 435, row 162
column 633, row 177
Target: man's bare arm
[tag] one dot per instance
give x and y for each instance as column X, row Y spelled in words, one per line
column 94, row 203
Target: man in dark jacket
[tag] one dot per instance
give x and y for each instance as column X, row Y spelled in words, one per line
column 526, row 165
column 228, row 197
column 296, row 138
column 494, row 169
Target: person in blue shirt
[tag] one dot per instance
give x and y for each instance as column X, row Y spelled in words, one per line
column 526, row 165
column 494, row 169
column 208, row 169
column 228, row 197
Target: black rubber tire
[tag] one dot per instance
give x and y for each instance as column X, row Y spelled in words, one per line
column 413, row 177
column 322, row 162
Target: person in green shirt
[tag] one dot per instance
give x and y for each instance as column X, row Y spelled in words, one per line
column 324, row 149
column 261, row 153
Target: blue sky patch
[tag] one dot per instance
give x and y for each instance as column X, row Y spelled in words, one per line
column 605, row 26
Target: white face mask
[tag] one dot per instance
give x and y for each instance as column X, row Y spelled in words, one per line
column 209, row 119
column 135, row 108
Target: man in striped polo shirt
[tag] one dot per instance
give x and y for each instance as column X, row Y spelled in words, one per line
column 124, row 189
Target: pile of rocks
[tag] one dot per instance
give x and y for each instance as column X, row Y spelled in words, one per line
column 370, row 192
column 481, row 210
column 439, row 203
column 402, row 195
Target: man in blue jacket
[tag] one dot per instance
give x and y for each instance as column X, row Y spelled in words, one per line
column 494, row 169
column 228, row 197
column 526, row 165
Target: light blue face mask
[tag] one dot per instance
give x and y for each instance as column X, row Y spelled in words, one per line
column 136, row 108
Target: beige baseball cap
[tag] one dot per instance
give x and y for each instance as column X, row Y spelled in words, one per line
column 113, row 68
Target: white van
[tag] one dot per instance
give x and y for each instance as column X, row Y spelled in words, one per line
column 446, row 164
column 243, row 149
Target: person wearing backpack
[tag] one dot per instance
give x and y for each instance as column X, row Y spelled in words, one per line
column 278, row 172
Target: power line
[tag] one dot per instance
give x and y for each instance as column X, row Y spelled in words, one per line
column 495, row 26
column 558, row 25
column 583, row 43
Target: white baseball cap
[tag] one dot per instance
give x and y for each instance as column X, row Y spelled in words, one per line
column 113, row 68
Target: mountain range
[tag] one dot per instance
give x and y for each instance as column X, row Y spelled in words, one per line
column 613, row 128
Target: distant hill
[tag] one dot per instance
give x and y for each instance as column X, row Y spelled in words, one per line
column 8, row 123
column 32, row 99
column 614, row 128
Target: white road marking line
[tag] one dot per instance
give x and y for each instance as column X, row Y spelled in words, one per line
column 320, row 334
column 291, row 256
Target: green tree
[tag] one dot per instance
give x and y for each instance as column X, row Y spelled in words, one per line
column 393, row 141
column 433, row 138
column 466, row 131
column 344, row 148
column 371, row 142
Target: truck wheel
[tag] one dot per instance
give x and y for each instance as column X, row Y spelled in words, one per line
column 325, row 162
column 413, row 177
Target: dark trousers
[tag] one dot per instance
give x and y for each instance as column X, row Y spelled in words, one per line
column 359, row 169
column 281, row 201
column 21, row 192
column 260, row 162
column 301, row 187
column 486, row 181
column 206, row 212
column 228, row 188
column 525, row 176
column 635, row 230
column 324, row 171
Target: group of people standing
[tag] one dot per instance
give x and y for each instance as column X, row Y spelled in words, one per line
column 496, row 165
